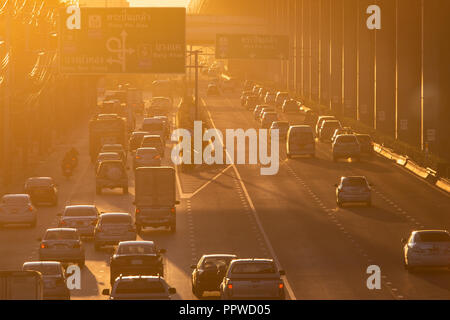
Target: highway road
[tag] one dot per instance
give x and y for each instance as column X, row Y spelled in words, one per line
column 291, row 216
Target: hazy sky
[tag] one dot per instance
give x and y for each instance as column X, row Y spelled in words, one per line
column 158, row 3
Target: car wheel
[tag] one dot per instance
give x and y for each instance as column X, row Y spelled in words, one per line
column 198, row 293
column 125, row 190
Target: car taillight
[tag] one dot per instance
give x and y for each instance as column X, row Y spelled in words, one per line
column 230, row 286
column 172, row 210
column 280, row 286
column 138, row 157
column 30, row 208
column 138, row 210
column 43, row 246
column 157, row 157
column 62, row 223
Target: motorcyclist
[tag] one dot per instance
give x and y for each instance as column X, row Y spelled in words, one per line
column 70, row 158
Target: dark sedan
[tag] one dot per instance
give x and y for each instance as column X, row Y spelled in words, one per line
column 42, row 190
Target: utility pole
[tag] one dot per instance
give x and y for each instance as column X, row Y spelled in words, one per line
column 196, row 83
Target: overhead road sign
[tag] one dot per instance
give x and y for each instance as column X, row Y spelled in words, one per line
column 252, row 46
column 122, row 40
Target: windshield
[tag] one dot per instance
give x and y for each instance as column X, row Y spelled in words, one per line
column 15, row 200
column 432, row 237
column 45, row 268
column 116, row 219
column 139, row 286
column 155, row 126
column 253, row 267
column 61, row 235
column 136, row 249
column 346, row 139
column 354, row 182
column 364, row 139
column 80, row 212
column 301, row 137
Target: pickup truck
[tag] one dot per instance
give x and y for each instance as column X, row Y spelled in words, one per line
column 252, row 279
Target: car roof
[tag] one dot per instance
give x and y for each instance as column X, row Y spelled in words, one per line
column 16, row 195
column 353, row 177
column 219, row 255
column 146, row 149
column 87, row 206
column 61, row 229
column 153, row 136
column 258, row 260
column 136, row 133
column 34, row 263
column 114, row 214
column 39, row 180
column 110, row 161
column 110, row 145
column 142, row 242
column 134, row 278
column 430, row 231
column 153, row 119
column 108, row 154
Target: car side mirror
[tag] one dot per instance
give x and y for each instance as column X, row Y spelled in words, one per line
column 403, row 241
column 177, row 202
column 172, row 290
column 193, row 266
column 282, row 272
column 336, row 185
column 162, row 251
column 371, row 185
column 105, row 292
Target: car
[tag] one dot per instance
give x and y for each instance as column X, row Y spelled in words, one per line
column 300, row 141
column 212, row 90
column 140, row 288
column 365, row 144
column 320, row 119
column 113, row 228
column 136, row 140
column 147, row 157
column 17, row 209
column 115, row 148
column 153, row 141
column 426, row 248
column 256, row 88
column 282, row 126
column 264, row 109
column 327, row 129
column 258, row 109
column 111, row 174
column 339, row 131
column 106, row 156
column 41, row 190
column 353, row 189
column 136, row 258
column 290, row 106
column 310, row 118
column 63, row 245
column 268, row 118
column 166, row 125
column 53, row 275
column 81, row 217
column 251, row 102
column 244, row 96
column 252, row 279
column 346, row 146
column 280, row 97
column 262, row 93
column 159, row 106
column 269, row 98
column 248, row 85
column 208, row 273
column 154, row 126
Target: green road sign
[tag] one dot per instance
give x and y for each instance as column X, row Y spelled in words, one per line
column 122, row 40
column 252, row 46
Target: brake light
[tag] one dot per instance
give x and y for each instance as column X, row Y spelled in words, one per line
column 138, row 210
column 30, row 208
column 62, row 223
column 172, row 210
column 280, row 286
column 138, row 157
column 157, row 157
column 43, row 246
column 230, row 286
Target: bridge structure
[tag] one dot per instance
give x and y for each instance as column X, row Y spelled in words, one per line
column 393, row 81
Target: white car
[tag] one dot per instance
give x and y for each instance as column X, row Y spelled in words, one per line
column 353, row 189
column 140, row 288
column 17, row 209
column 427, row 248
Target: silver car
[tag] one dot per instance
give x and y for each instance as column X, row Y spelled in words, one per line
column 153, row 141
column 106, row 156
column 55, row 286
column 353, row 189
column 147, row 157
column 427, row 248
column 346, row 146
column 113, row 228
column 62, row 244
column 17, row 209
column 140, row 288
column 81, row 217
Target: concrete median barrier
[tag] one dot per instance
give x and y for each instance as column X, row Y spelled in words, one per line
column 416, row 169
column 443, row 184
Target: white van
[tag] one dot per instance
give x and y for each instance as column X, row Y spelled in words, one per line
column 300, row 141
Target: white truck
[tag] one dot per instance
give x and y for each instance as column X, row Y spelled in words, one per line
column 155, row 198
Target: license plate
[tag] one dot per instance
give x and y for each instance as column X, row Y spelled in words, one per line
column 136, row 261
